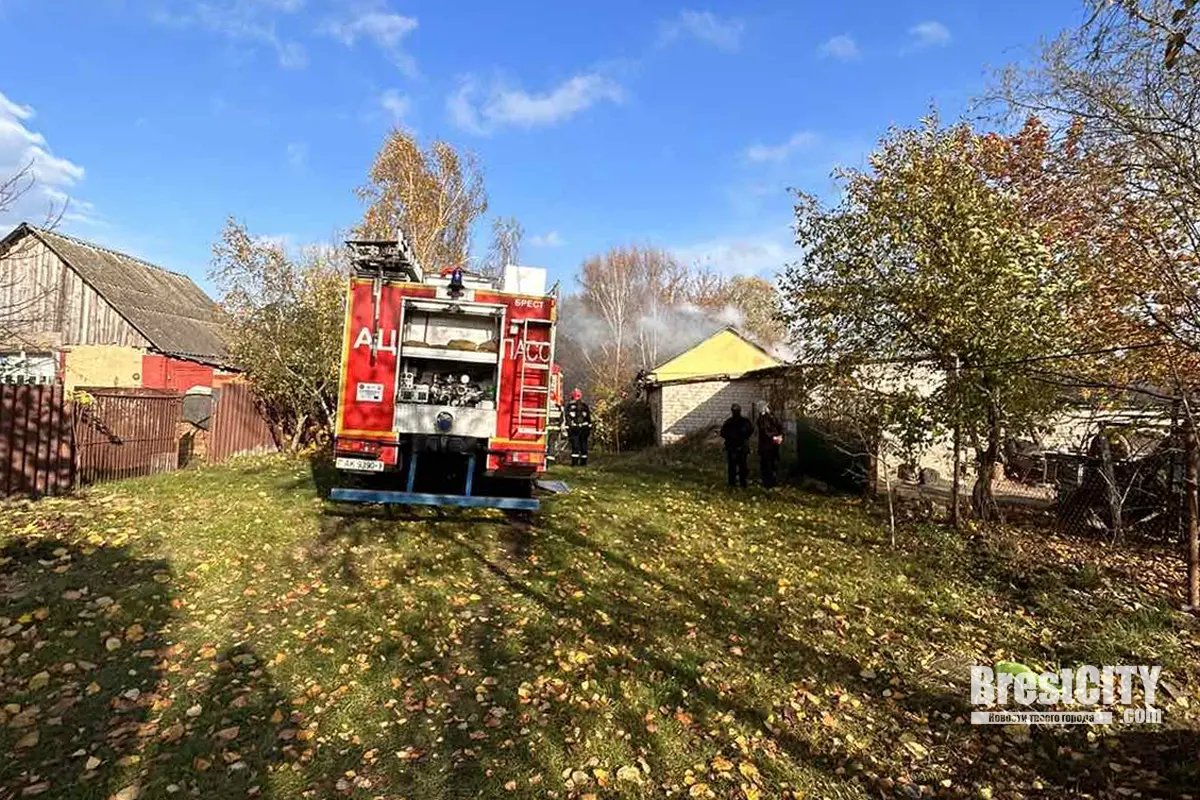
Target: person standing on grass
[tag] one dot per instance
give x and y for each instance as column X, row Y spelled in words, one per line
column 736, row 432
column 770, row 437
column 579, row 428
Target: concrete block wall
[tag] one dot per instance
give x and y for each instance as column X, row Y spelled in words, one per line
column 688, row 407
column 102, row 366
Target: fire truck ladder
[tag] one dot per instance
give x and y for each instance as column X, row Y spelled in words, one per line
column 533, row 399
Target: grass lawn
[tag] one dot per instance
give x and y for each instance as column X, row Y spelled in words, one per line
column 224, row 632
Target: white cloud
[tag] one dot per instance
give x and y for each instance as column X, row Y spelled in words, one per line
column 243, row 21
column 760, row 153
column 551, row 239
column 842, row 47
column 385, row 28
column 10, row 109
column 502, row 106
column 292, row 55
column 461, row 108
column 751, row 255
column 282, row 241
column 297, row 154
column 929, row 34
column 707, row 27
column 395, row 104
column 47, row 179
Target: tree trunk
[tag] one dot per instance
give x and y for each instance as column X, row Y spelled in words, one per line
column 301, row 422
column 1110, row 480
column 1192, row 507
column 983, row 501
column 891, row 505
column 956, row 478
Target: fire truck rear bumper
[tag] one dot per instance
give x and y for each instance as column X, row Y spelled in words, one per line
column 423, row 499
column 409, row 497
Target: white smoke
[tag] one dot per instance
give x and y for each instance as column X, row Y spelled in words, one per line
column 656, row 335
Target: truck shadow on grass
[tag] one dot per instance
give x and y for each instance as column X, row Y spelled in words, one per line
column 92, row 685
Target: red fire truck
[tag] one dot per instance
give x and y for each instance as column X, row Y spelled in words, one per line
column 446, row 385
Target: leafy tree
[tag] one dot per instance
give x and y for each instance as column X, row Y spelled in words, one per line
column 285, row 324
column 1127, row 111
column 1131, row 73
column 865, row 427
column 927, row 261
column 757, row 302
column 434, row 196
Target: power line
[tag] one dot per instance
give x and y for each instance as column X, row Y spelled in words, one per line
column 1012, row 362
column 1069, row 355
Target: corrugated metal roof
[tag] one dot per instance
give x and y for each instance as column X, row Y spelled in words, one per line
column 168, row 308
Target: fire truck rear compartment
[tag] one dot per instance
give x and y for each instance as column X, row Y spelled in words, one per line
column 450, row 378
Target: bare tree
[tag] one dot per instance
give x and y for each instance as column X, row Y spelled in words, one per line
column 706, row 288
column 23, row 299
column 507, row 235
column 639, row 305
column 662, row 284
column 14, row 186
column 1110, row 83
column 433, row 196
column 610, row 290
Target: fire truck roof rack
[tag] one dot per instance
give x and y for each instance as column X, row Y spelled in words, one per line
column 385, row 257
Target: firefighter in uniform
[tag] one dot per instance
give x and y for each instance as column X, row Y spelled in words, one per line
column 579, row 428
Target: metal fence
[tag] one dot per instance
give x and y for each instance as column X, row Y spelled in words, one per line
column 50, row 443
column 1124, row 476
column 239, row 426
column 123, row 433
column 36, row 441
column 1117, row 473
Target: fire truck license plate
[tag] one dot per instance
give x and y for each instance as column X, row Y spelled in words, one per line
column 370, row 393
column 359, row 464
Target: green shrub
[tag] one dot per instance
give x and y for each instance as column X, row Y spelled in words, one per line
column 835, row 457
column 622, row 424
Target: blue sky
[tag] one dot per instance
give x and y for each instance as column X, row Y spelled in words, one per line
column 597, row 123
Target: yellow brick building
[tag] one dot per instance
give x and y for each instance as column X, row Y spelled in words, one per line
column 693, row 390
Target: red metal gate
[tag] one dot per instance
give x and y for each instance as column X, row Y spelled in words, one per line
column 36, row 456
column 122, row 433
column 239, row 427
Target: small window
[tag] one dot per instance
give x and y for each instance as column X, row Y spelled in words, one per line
column 28, row 368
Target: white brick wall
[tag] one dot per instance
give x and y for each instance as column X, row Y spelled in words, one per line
column 684, row 408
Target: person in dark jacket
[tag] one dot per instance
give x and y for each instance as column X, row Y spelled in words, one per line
column 770, row 437
column 579, row 428
column 736, row 432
